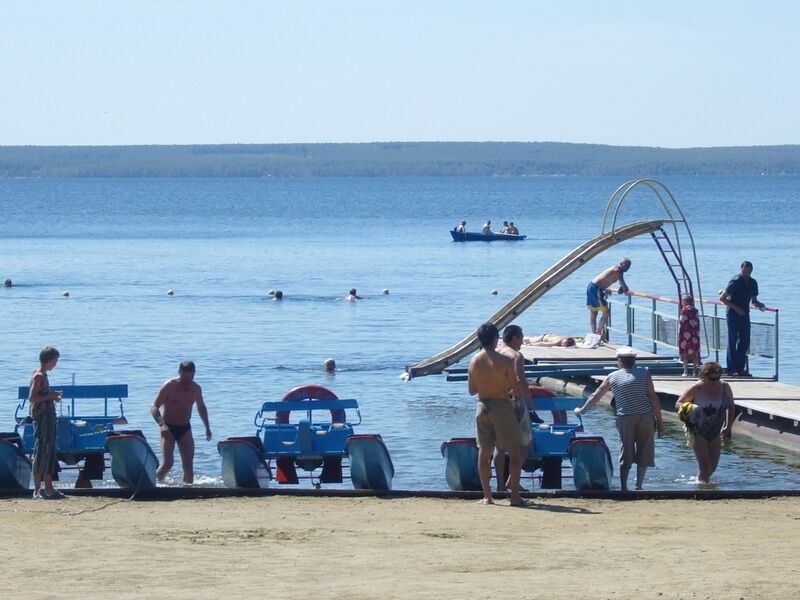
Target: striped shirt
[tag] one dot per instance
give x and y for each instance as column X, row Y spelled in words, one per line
column 629, row 387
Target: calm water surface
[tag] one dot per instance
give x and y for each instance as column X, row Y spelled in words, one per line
column 118, row 245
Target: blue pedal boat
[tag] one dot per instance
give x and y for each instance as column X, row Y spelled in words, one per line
column 133, row 462
column 550, row 445
column 80, row 436
column 305, row 435
column 15, row 465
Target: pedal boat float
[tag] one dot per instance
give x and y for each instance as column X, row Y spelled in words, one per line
column 133, row 462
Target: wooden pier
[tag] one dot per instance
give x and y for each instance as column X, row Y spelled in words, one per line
column 767, row 411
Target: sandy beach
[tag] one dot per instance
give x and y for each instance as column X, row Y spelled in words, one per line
column 300, row 547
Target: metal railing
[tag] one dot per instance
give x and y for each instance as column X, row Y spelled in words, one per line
column 654, row 322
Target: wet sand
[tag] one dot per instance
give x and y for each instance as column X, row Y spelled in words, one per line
column 300, row 547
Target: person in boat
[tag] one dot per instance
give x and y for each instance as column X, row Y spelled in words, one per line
column 549, row 340
column 491, row 375
column 41, row 400
column 638, row 408
column 461, row 227
column 504, row 228
column 352, row 296
column 715, row 412
column 740, row 293
column 487, row 228
column 512, row 342
column 596, row 293
column 512, row 229
column 172, row 410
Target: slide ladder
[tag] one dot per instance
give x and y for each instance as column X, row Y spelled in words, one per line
column 674, row 262
column 537, row 288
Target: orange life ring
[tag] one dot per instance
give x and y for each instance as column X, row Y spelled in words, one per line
column 310, row 392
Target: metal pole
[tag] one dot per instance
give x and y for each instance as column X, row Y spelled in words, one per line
column 777, row 345
column 654, row 327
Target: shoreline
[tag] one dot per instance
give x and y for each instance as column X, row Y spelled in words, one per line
column 293, row 547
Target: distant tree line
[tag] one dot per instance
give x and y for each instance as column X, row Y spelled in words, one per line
column 486, row 159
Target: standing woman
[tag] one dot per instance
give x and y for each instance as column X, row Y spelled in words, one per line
column 711, row 420
column 43, row 412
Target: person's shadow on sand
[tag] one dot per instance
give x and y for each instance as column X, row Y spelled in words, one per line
column 555, row 508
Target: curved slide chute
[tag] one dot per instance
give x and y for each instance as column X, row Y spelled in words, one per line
column 537, row 288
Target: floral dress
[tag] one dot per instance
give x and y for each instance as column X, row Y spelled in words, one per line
column 689, row 334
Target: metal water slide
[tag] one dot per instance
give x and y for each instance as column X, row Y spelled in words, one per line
column 537, row 288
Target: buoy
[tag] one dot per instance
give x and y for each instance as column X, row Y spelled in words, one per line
column 170, row 292
column 271, row 293
column 494, row 292
column 329, row 365
column 65, row 294
column 385, row 292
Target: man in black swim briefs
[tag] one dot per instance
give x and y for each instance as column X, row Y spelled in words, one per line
column 172, row 410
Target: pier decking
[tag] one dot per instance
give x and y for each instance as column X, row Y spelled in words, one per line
column 767, row 411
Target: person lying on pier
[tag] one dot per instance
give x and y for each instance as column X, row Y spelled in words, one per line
column 549, row 340
column 711, row 421
column 596, row 293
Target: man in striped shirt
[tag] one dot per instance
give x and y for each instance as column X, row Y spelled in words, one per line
column 638, row 414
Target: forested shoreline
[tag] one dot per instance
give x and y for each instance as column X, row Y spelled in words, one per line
column 387, row 159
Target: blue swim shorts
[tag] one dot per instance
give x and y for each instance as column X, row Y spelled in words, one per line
column 595, row 297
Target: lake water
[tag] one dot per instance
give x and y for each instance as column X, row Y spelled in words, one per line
column 118, row 245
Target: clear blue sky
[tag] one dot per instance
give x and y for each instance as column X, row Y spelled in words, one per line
column 675, row 74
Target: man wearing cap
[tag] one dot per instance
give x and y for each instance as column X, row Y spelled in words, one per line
column 740, row 293
column 637, row 407
column 596, row 293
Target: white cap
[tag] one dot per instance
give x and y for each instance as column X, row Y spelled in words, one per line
column 626, row 351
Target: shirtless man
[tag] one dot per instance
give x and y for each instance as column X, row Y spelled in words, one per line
column 596, row 293
column 172, row 410
column 491, row 376
column 512, row 342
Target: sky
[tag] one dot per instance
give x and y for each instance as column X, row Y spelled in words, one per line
column 669, row 74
